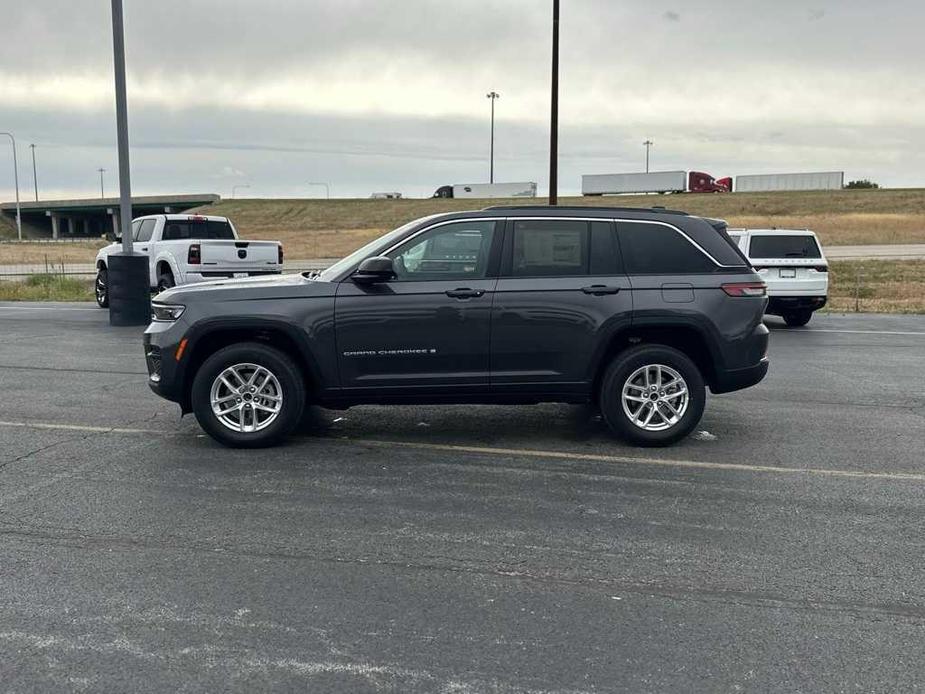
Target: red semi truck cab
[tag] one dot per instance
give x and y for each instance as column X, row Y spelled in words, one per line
column 700, row 182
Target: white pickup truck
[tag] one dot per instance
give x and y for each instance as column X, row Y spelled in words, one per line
column 183, row 249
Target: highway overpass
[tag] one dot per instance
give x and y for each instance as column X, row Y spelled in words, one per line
column 93, row 217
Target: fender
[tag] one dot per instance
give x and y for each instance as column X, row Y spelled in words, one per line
column 205, row 328
column 647, row 320
column 164, row 256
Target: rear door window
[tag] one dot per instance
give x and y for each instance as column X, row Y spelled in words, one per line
column 781, row 246
column 145, row 230
column 654, row 249
column 549, row 248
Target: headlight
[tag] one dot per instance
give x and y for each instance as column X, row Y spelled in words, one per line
column 166, row 312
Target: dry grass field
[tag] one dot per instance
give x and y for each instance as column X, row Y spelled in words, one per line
column 311, row 228
column 330, row 228
column 877, row 286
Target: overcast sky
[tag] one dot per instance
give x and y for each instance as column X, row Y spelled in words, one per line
column 376, row 95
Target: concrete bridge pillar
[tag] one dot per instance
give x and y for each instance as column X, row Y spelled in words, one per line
column 115, row 221
column 71, row 226
column 55, row 224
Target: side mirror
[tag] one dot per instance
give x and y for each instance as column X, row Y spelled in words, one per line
column 373, row 270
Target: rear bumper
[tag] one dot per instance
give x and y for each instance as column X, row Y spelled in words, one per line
column 778, row 305
column 752, row 351
column 737, row 379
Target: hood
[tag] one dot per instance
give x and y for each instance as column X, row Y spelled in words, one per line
column 262, row 287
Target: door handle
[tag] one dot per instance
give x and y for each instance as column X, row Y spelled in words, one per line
column 600, row 289
column 464, row 293
column 145, row 248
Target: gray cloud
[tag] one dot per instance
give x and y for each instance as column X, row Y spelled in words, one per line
column 376, row 95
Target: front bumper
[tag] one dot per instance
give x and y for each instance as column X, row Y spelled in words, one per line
column 165, row 372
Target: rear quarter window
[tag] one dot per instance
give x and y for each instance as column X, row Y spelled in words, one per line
column 780, row 246
column 654, row 249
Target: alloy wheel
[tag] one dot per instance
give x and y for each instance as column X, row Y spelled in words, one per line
column 655, row 397
column 246, row 398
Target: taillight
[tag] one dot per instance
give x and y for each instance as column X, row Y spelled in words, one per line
column 194, row 257
column 821, row 268
column 280, row 254
column 746, row 289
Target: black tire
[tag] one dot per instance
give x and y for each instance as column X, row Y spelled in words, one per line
column 623, row 366
column 288, row 375
column 796, row 319
column 165, row 281
column 101, row 288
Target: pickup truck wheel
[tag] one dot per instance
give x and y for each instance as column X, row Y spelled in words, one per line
column 101, row 288
column 165, row 281
column 795, row 319
column 248, row 396
column 652, row 395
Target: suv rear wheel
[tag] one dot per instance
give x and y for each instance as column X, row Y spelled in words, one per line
column 795, row 319
column 652, row 395
column 248, row 395
column 165, row 281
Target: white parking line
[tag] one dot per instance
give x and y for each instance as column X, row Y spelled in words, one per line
column 849, row 332
column 529, row 453
column 49, row 308
column 661, row 462
column 78, row 427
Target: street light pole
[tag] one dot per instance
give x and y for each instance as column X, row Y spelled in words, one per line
column 102, row 194
column 35, row 178
column 647, row 143
column 236, row 186
column 327, row 189
column 16, row 183
column 554, row 111
column 493, row 95
column 127, row 283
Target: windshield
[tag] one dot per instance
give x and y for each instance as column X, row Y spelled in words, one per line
column 369, row 250
column 781, row 246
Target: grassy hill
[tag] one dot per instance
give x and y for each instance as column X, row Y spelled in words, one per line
column 330, row 228
column 312, row 228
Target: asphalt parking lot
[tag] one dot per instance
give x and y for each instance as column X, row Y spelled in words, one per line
column 463, row 548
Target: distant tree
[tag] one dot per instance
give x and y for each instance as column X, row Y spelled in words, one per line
column 862, row 183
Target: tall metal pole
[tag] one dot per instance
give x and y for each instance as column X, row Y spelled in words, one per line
column 491, row 167
column 102, row 193
column 35, row 178
column 16, row 183
column 125, row 186
column 236, row 186
column 647, row 143
column 126, row 280
column 554, row 111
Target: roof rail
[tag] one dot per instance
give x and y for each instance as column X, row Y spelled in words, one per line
column 579, row 208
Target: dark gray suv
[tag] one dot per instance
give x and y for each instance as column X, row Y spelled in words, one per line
column 635, row 310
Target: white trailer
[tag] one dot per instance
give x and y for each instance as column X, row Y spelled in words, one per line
column 525, row 189
column 815, row 180
column 653, row 182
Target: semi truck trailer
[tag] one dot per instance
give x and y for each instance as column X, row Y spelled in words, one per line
column 814, row 180
column 654, row 182
column 487, row 190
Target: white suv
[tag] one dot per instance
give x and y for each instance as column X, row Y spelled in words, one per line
column 792, row 264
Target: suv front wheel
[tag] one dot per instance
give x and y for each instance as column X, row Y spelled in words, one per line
column 248, row 395
column 652, row 395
